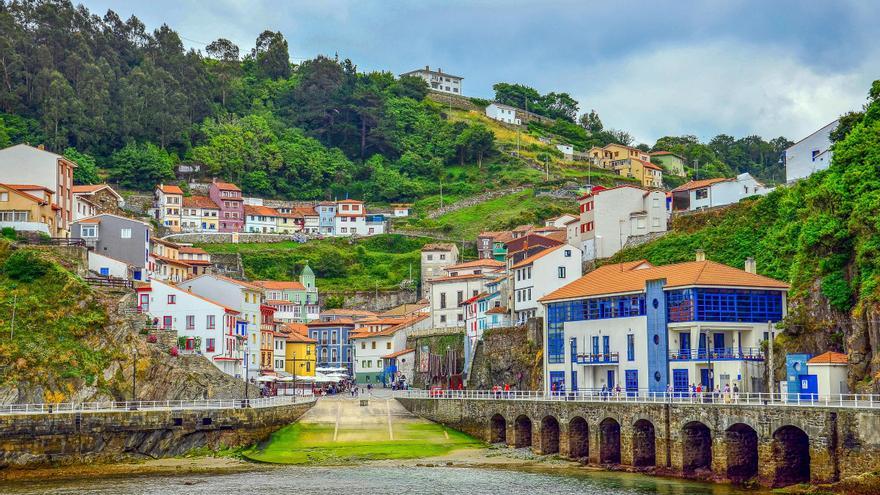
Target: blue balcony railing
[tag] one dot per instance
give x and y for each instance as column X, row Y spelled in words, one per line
column 721, row 354
column 607, row 358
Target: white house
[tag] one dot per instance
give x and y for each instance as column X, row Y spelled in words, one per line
column 351, row 218
column 830, row 369
column 435, row 258
column 168, row 202
column 502, row 113
column 810, row 154
column 205, row 326
column 567, row 151
column 438, row 80
column 370, row 347
column 710, row 193
column 561, row 221
column 109, row 267
column 646, row 327
column 447, row 294
column 609, row 217
column 401, row 210
column 260, row 219
column 25, row 164
column 540, row 274
column 279, row 352
column 241, row 296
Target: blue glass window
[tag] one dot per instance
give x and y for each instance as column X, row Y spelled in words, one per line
column 730, row 305
column 630, row 347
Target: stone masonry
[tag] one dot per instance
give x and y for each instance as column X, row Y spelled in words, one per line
column 775, row 446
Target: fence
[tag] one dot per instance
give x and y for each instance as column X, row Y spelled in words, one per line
column 109, row 282
column 857, row 401
column 52, row 241
column 167, row 405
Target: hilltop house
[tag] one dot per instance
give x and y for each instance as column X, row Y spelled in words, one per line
column 646, row 327
column 90, row 200
column 24, row 164
column 168, row 200
column 609, row 217
column 710, row 193
column 119, row 246
column 438, row 80
column 502, row 113
column 671, row 162
column 435, row 258
column 810, row 154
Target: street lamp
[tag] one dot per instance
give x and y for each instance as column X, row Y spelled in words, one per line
column 571, row 363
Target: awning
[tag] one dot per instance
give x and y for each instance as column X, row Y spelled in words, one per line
column 265, row 378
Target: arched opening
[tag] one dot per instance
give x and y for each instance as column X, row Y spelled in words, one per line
column 609, row 441
column 549, row 435
column 578, row 438
column 643, row 444
column 791, row 456
column 522, row 432
column 742, row 452
column 497, row 429
column 696, row 448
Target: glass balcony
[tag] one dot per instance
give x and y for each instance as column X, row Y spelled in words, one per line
column 597, row 359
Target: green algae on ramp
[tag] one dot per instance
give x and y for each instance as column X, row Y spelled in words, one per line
column 310, row 443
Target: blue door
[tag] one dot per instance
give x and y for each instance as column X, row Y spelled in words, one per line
column 595, row 347
column 680, row 382
column 718, row 342
column 105, row 272
column 606, row 347
column 701, row 353
column 557, row 378
column 706, row 380
column 809, row 389
column 574, row 349
column 632, row 382
column 685, row 348
column 574, row 381
column 610, row 379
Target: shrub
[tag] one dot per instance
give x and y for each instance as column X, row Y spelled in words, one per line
column 8, row 233
column 152, row 339
column 25, row 266
column 174, row 352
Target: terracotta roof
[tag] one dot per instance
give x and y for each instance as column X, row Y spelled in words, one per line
column 647, row 164
column 298, row 332
column 829, row 357
column 88, row 188
column 354, row 201
column 390, row 330
column 199, row 202
column 306, row 211
column 457, row 277
column 523, row 228
column 173, row 261
column 227, row 308
column 664, row 153
column 279, row 285
column 498, row 310
column 438, row 246
column 398, row 353
column 14, row 188
column 260, row 210
column 227, row 186
column 488, row 262
column 334, row 323
column 474, row 298
column 197, row 262
column 169, row 189
column 696, row 184
column 490, row 233
column 559, row 235
column 30, row 187
column 340, row 311
column 163, row 241
column 632, row 276
column 192, row 250
column 540, row 254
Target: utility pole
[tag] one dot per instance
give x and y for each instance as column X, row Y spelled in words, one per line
column 770, row 378
column 12, row 325
column 134, row 372
column 246, row 381
column 441, row 192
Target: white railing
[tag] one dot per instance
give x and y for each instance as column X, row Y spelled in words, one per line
column 860, row 401
column 160, row 405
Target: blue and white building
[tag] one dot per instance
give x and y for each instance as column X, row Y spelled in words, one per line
column 647, row 327
column 326, row 218
column 334, row 347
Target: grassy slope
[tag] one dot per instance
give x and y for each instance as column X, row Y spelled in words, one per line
column 338, row 264
column 313, row 444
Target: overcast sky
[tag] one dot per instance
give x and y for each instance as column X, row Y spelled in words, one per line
column 652, row 68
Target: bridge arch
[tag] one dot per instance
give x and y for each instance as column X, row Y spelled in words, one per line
column 578, row 438
column 696, row 447
column 549, row 435
column 609, row 441
column 741, row 441
column 644, row 450
column 791, row 456
column 497, row 429
column 522, row 432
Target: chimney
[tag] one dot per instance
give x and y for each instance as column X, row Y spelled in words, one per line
column 701, row 255
column 751, row 266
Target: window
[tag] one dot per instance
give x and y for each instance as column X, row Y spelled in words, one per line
column 430, row 257
column 388, row 345
column 209, row 345
column 210, row 322
column 442, row 318
column 568, row 253
column 363, row 345
column 4, row 196
column 460, row 317
column 561, row 271
column 459, row 297
column 442, row 300
column 373, row 346
column 190, row 322
column 630, row 347
column 88, row 231
column 125, row 233
column 172, row 299
column 166, row 322
column 442, row 257
column 702, row 193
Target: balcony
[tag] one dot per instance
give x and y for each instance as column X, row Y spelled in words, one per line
column 598, row 359
column 720, row 354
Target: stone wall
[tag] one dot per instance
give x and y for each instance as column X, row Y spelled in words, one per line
column 28, row 440
column 228, row 264
column 507, row 356
column 719, row 442
column 474, row 200
column 437, row 342
column 229, row 237
column 371, row 300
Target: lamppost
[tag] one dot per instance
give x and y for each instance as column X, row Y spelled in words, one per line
column 711, row 373
column 134, row 380
column 571, row 363
column 246, row 372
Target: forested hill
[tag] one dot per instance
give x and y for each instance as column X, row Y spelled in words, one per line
column 821, row 234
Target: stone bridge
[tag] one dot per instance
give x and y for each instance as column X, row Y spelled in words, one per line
column 775, row 445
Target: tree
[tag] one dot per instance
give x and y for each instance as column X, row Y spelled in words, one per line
column 141, row 166
column 272, row 55
column 560, row 106
column 86, row 171
column 475, row 141
column 621, row 137
column 591, row 122
column 226, row 67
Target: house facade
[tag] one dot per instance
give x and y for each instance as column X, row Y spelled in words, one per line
column 199, row 214
column 261, row 219
column 435, row 258
column 447, row 295
column 25, row 164
column 168, row 201
column 333, row 344
column 438, row 80
column 502, row 113
column 370, row 348
column 228, row 198
column 710, row 193
column 90, row 200
column 609, row 217
column 540, row 274
column 326, row 218
column 810, row 154
column 301, row 353
column 119, row 238
column 165, row 262
column 653, row 328
column 294, row 302
column 671, row 162
column 30, row 208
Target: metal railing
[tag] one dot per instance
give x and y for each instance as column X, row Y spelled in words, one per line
column 601, row 358
column 720, row 354
column 859, row 401
column 161, row 405
column 52, row 241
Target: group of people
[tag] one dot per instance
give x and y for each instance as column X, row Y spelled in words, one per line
column 727, row 393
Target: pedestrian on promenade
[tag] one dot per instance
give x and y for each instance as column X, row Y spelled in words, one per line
column 507, row 390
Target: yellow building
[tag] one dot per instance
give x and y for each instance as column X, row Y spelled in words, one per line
column 30, row 208
column 648, row 174
column 301, row 357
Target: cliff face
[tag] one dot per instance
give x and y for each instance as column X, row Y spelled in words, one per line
column 507, row 356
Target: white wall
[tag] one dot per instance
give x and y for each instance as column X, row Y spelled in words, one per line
column 543, row 278
column 118, row 269
column 452, row 310
column 799, row 160
column 613, row 222
column 502, row 113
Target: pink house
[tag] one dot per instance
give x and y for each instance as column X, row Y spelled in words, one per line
column 228, row 198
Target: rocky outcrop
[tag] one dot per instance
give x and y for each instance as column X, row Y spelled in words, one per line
column 507, row 355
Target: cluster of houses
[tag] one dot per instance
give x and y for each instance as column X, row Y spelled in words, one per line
column 225, row 210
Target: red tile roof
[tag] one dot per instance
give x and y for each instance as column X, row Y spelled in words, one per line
column 167, row 189
column 487, row 262
column 280, row 284
column 199, row 202
column 535, row 257
column 260, row 210
column 226, row 186
column 398, row 353
column 192, row 250
column 497, row 310
column 697, row 184
column 829, row 357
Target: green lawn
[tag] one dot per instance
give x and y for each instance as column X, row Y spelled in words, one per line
column 302, row 443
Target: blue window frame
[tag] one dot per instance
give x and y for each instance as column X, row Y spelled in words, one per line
column 730, row 305
column 630, row 347
column 558, row 378
column 586, row 309
column 632, row 382
column 595, row 345
column 574, row 381
column 606, row 345
column 680, row 382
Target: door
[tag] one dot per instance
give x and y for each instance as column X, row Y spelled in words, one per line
column 680, row 382
column 606, row 347
column 595, row 347
column 574, row 381
column 685, row 347
column 144, row 304
column 718, row 343
column 610, row 379
column 702, row 350
column 166, row 322
column 809, row 387
column 706, row 380
column 632, row 382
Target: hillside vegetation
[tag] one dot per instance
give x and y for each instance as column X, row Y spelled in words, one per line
column 821, row 234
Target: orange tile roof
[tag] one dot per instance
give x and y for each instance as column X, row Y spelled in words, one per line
column 489, row 262
column 354, row 201
column 398, row 353
column 696, row 184
column 192, row 250
column 632, row 276
column 227, row 186
column 438, row 246
column 340, row 311
column 279, row 285
column 830, row 357
column 173, row 261
column 497, row 310
column 15, row 188
column 647, row 164
column 260, row 210
column 390, row 330
column 334, row 323
column 199, row 202
column 540, row 254
column 169, row 189
column 456, row 277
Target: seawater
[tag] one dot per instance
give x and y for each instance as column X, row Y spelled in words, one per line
column 368, row 480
